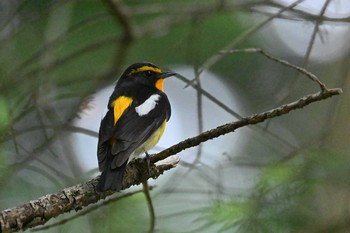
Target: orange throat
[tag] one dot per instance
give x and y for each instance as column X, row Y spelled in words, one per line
column 159, row 84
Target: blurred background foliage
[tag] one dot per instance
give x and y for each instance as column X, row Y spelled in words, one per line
column 289, row 175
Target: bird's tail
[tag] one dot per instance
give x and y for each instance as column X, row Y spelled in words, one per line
column 111, row 179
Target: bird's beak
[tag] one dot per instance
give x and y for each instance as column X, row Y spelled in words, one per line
column 167, row 74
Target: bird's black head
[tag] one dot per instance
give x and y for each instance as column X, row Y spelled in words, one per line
column 145, row 73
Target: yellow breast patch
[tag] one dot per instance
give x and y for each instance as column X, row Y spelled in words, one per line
column 151, row 141
column 119, row 106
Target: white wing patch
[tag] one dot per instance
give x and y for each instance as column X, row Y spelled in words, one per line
column 148, row 105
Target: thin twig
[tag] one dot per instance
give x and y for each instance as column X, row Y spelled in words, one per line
column 218, row 56
column 308, row 74
column 305, row 62
column 152, row 216
column 229, row 110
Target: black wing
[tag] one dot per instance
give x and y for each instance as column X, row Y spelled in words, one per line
column 130, row 132
column 104, row 137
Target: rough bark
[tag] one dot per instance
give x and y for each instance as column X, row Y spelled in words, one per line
column 38, row 212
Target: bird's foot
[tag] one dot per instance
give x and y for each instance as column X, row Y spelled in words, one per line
column 148, row 161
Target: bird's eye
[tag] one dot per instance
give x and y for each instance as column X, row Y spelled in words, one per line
column 148, row 73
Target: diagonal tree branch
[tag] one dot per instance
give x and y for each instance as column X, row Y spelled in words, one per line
column 250, row 120
column 38, row 212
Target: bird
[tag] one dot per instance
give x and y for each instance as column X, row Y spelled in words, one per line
column 137, row 113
